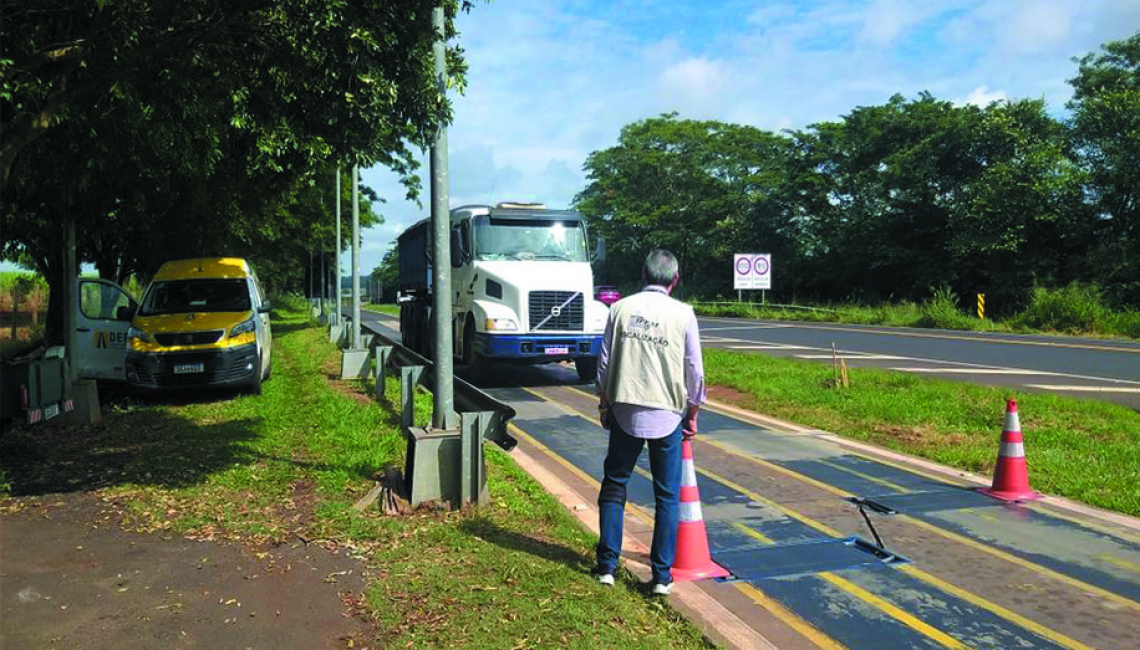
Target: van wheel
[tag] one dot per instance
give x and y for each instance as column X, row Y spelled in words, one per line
column 255, row 383
column 587, row 368
column 268, row 371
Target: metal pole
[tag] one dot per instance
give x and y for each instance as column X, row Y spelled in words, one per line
column 355, row 257
column 442, row 416
column 336, row 275
column 70, row 301
column 324, row 282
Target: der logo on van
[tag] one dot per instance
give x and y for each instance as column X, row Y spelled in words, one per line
column 114, row 340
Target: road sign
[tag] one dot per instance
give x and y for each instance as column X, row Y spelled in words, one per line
column 752, row 271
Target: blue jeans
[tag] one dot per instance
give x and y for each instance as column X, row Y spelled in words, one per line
column 665, row 463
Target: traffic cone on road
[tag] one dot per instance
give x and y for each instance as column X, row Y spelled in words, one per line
column 1011, row 475
column 693, row 560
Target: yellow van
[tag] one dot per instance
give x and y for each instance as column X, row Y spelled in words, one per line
column 201, row 323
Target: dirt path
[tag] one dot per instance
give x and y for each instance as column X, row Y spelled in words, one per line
column 72, row 578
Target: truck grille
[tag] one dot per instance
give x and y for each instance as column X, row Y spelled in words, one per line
column 570, row 314
column 188, row 338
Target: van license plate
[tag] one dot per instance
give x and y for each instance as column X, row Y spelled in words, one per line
column 189, row 368
column 558, row 350
column 51, row 411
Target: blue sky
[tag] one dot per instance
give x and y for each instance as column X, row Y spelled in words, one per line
column 552, row 80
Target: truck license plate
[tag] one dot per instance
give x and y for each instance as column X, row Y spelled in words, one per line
column 558, row 350
column 51, row 411
column 189, row 368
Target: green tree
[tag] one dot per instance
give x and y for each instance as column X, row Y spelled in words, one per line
column 685, row 185
column 172, row 128
column 1106, row 125
column 388, row 272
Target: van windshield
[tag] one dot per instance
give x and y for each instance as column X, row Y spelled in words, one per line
column 185, row 296
column 525, row 239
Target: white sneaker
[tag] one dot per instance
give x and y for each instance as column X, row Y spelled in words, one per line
column 606, row 579
column 662, row 590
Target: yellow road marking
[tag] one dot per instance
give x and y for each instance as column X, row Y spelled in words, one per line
column 970, row 597
column 791, row 619
column 807, row 630
column 1026, row 564
column 886, row 607
column 867, row 477
column 1011, row 616
column 893, row 611
column 1124, row 564
column 951, row 337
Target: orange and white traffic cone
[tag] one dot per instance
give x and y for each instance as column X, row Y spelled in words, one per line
column 693, row 561
column 1011, row 474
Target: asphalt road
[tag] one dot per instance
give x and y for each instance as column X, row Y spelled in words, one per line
column 968, row 571
column 1077, row 367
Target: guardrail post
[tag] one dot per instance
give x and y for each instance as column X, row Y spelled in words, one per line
column 409, row 379
column 473, row 484
column 383, row 352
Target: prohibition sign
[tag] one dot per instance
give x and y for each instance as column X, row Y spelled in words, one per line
column 743, row 266
column 761, row 265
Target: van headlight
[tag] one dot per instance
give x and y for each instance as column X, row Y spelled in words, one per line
column 244, row 327
column 500, row 325
column 134, row 333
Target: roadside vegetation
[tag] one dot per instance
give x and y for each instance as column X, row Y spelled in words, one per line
column 1077, row 310
column 1081, row 449
column 287, row 467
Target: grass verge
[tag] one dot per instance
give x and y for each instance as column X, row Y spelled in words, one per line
column 291, row 462
column 1081, row 449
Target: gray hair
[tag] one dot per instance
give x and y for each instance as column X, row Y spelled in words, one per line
column 660, row 268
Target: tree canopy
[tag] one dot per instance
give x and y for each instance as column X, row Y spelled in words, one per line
column 891, row 201
column 170, row 129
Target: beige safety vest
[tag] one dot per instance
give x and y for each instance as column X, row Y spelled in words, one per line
column 647, row 352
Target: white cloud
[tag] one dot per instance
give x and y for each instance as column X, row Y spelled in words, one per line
column 982, row 96
column 550, row 81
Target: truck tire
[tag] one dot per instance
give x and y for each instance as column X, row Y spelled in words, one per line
column 476, row 365
column 587, row 368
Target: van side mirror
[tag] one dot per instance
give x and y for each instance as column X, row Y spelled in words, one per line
column 457, row 252
column 125, row 312
column 600, row 250
column 264, row 308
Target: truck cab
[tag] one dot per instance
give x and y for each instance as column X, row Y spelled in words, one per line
column 522, row 287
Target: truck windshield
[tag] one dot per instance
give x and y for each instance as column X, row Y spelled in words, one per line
column 184, row 296
column 525, row 239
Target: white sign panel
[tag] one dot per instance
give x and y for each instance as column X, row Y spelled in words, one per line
column 751, row 271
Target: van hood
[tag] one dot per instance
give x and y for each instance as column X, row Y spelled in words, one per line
column 191, row 322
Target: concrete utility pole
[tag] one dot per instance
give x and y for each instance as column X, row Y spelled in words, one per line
column 336, row 279
column 355, row 257
column 443, row 416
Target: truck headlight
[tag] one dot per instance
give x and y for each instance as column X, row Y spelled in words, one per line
column 244, row 327
column 500, row 325
column 134, row 333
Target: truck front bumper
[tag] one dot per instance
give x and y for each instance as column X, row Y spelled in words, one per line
column 537, row 348
column 215, row 368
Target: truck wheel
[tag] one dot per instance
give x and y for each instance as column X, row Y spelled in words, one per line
column 476, row 365
column 587, row 368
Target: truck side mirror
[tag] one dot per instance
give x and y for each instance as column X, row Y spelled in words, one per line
column 600, row 250
column 457, row 252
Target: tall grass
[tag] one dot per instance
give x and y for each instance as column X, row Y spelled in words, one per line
column 1076, row 310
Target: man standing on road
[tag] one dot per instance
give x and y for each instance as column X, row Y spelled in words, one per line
column 650, row 387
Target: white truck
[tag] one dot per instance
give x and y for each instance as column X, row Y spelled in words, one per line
column 522, row 288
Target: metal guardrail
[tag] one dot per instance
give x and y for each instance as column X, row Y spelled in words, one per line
column 417, row 369
column 767, row 305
